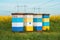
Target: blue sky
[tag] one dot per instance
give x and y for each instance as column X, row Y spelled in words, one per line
column 35, row 6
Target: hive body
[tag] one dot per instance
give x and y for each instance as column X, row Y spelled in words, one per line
column 17, row 23
column 37, row 22
column 29, row 22
column 46, row 23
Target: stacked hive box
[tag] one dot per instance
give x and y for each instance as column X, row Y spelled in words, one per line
column 46, row 23
column 29, row 22
column 37, row 22
column 17, row 22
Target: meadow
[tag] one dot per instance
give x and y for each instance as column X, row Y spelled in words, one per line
column 7, row 34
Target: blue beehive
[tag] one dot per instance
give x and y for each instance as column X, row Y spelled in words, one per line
column 17, row 22
column 37, row 22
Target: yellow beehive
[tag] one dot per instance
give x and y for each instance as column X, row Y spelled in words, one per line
column 28, row 22
column 46, row 22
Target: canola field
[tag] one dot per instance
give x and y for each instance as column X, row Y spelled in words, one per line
column 7, row 34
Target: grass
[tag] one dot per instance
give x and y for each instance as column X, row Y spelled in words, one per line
column 7, row 34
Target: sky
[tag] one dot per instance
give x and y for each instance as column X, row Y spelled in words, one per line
column 30, row 6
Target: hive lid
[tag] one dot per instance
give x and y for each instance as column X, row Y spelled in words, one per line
column 17, row 13
column 28, row 14
column 22, row 13
column 41, row 14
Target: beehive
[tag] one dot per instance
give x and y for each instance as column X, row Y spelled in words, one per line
column 28, row 22
column 37, row 22
column 46, row 22
column 17, row 22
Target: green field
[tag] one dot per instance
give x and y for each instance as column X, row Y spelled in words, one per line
column 7, row 34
